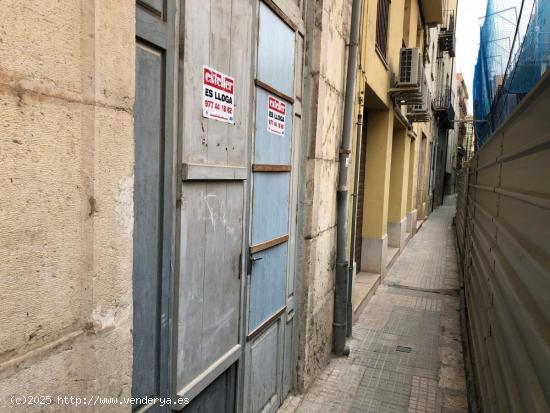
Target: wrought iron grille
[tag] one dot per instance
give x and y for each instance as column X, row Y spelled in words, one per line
column 382, row 21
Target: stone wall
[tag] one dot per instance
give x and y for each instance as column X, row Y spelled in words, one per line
column 66, row 203
column 327, row 25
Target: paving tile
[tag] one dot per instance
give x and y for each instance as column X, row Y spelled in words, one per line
column 406, row 353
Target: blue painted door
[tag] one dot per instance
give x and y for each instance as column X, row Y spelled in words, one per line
column 271, row 169
column 270, row 210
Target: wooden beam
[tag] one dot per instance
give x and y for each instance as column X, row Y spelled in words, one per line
column 270, row 168
column 265, row 325
column 273, row 91
column 277, row 10
column 268, row 244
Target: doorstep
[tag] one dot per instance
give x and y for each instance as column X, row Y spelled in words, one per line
column 391, row 255
column 364, row 288
column 366, row 283
column 419, row 223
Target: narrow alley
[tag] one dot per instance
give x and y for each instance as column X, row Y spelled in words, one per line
column 406, row 350
column 261, row 206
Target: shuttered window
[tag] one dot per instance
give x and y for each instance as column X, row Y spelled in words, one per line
column 382, row 22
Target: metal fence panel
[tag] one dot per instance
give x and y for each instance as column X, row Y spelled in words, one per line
column 503, row 228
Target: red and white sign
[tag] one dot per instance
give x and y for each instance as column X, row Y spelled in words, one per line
column 276, row 112
column 218, row 97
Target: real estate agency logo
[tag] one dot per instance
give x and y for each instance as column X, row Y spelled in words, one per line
column 277, row 105
column 218, row 80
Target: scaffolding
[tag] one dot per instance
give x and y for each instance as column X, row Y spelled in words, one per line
column 514, row 53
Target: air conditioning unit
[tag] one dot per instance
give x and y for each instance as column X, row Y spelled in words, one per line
column 420, row 112
column 409, row 81
column 424, row 104
column 410, row 68
column 411, row 96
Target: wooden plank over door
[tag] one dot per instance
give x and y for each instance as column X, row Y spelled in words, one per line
column 218, row 34
column 153, row 196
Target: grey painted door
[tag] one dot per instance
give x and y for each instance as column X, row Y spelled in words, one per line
column 271, row 206
column 153, row 197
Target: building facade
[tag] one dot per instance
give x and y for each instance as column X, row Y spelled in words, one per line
column 170, row 168
column 469, row 141
column 171, row 189
column 67, row 91
column 461, row 103
column 401, row 130
column 443, row 103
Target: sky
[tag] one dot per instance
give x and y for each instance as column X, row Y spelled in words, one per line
column 467, row 39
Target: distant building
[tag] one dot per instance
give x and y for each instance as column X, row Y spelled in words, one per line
column 464, row 119
column 455, row 150
column 469, row 140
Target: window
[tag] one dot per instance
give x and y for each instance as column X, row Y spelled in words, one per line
column 382, row 22
column 433, row 60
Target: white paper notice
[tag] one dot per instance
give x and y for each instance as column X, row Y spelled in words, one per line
column 218, row 98
column 276, row 112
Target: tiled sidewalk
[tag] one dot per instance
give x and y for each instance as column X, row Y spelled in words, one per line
column 406, row 351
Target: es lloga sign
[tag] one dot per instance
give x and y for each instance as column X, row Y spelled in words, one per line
column 218, row 98
column 276, row 112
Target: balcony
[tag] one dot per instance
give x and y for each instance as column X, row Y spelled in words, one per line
column 463, row 107
column 446, row 41
column 461, row 131
column 433, row 11
column 442, row 105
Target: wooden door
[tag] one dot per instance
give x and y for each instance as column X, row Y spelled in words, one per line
column 216, row 42
column 272, row 203
column 421, row 178
column 361, row 158
column 153, row 198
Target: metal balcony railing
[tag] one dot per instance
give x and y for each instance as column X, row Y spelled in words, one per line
column 447, row 33
column 449, row 21
column 442, row 105
column 443, row 98
column 463, row 108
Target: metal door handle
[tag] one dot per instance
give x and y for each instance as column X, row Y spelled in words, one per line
column 254, row 259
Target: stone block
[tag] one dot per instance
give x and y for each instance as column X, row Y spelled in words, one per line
column 333, row 54
column 397, row 233
column 320, row 256
column 42, row 206
column 329, row 121
column 115, row 52
column 373, row 252
column 46, row 38
column 320, row 196
column 411, row 222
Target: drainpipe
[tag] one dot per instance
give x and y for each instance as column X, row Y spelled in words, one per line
column 342, row 264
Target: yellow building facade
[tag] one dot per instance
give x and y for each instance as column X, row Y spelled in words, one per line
column 393, row 156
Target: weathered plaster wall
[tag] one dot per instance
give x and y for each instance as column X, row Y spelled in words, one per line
column 326, row 57
column 66, row 203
